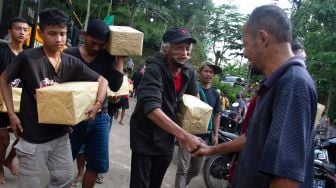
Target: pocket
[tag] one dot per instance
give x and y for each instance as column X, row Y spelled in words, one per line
column 25, row 147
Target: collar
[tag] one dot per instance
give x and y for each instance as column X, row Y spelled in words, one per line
column 292, row 61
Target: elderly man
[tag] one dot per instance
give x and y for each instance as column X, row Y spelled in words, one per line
column 153, row 123
column 279, row 148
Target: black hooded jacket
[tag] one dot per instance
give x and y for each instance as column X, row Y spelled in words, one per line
column 157, row 90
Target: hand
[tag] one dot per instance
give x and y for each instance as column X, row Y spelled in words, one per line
column 15, row 124
column 192, row 143
column 92, row 111
column 203, row 150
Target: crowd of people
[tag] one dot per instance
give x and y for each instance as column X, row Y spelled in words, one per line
column 276, row 147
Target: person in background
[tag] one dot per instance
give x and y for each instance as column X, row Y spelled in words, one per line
column 18, row 32
column 124, row 103
column 153, row 126
column 225, row 103
column 130, row 65
column 189, row 166
column 91, row 138
column 45, row 145
column 298, row 49
column 137, row 76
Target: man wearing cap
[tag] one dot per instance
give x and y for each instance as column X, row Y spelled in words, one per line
column 188, row 166
column 153, row 123
column 94, row 134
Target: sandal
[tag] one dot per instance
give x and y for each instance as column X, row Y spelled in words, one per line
column 76, row 183
column 100, row 179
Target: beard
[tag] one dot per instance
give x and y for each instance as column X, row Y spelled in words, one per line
column 177, row 64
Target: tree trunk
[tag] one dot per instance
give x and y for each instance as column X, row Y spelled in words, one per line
column 329, row 97
column 133, row 12
column 87, row 14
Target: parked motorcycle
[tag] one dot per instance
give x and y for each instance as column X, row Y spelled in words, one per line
column 216, row 167
column 324, row 162
column 230, row 120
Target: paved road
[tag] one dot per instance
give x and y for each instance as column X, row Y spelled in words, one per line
column 120, row 161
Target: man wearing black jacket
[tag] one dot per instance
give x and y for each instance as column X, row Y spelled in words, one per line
column 153, row 123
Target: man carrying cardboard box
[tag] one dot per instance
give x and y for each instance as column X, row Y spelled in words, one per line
column 45, row 145
column 94, row 134
column 18, row 31
column 189, row 166
column 153, row 123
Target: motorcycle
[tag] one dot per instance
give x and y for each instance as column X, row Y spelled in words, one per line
column 216, row 167
column 324, row 162
column 230, row 120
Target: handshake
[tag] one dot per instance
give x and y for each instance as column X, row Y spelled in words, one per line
column 195, row 145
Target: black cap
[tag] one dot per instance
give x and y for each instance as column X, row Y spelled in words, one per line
column 98, row 29
column 177, row 35
column 217, row 69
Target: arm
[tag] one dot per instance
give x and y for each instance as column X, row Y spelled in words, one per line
column 119, row 63
column 115, row 76
column 279, row 182
column 191, row 142
column 101, row 94
column 215, row 122
column 6, row 90
column 235, row 145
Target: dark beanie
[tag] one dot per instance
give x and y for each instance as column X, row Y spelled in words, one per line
column 98, row 29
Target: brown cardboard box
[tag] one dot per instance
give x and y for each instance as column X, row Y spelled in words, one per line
column 319, row 111
column 124, row 89
column 65, row 103
column 125, row 41
column 16, row 92
column 194, row 115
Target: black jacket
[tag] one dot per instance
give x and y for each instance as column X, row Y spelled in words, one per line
column 157, row 90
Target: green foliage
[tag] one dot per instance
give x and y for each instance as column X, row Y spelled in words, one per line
column 225, row 29
column 315, row 23
column 230, row 90
column 122, row 16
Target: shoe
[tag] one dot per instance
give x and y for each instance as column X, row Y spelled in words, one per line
column 100, row 179
column 76, row 183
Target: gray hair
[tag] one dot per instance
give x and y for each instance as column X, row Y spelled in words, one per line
column 166, row 45
column 272, row 19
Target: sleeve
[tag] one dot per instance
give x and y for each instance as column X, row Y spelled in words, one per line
column 114, row 78
column 192, row 87
column 150, row 89
column 13, row 70
column 288, row 145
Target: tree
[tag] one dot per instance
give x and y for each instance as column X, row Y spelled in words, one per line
column 315, row 23
column 225, row 31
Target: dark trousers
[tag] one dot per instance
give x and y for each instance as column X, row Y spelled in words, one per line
column 148, row 171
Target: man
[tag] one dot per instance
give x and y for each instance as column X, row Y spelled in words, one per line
column 279, row 148
column 18, row 32
column 188, row 166
column 93, row 54
column 298, row 49
column 153, row 123
column 45, row 145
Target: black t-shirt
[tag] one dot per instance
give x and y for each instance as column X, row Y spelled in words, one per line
column 213, row 99
column 6, row 57
column 103, row 64
column 35, row 70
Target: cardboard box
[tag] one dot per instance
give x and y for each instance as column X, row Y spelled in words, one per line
column 65, row 103
column 125, row 41
column 319, row 111
column 194, row 115
column 16, row 92
column 124, row 89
